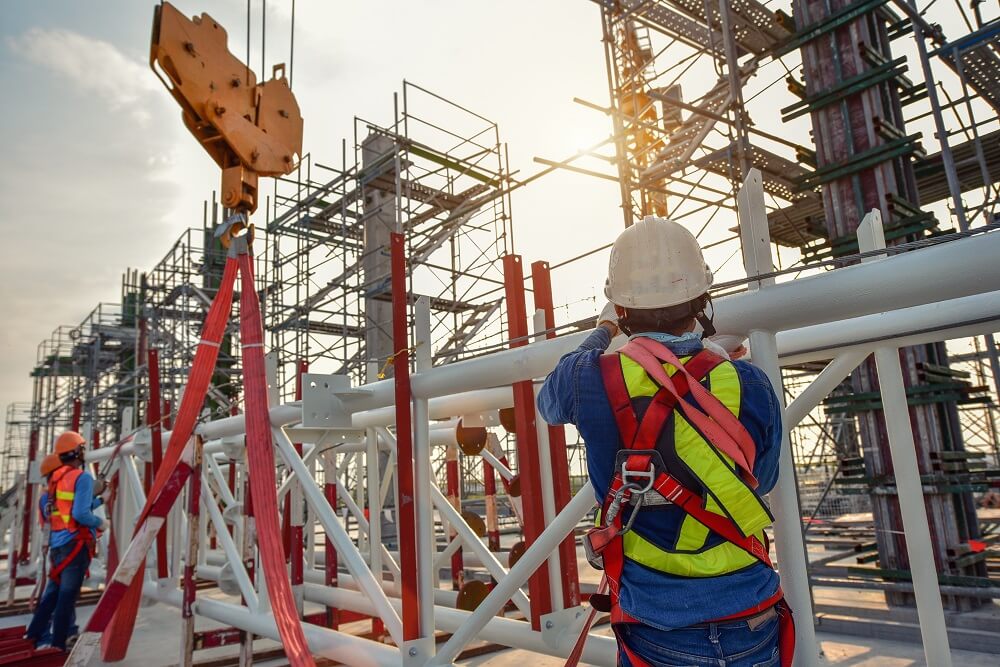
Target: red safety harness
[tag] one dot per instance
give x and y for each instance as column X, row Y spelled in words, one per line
column 640, row 470
column 84, row 538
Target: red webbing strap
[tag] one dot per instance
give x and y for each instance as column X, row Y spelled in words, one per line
column 694, row 505
column 719, row 426
column 202, row 370
column 119, row 604
column 573, row 659
column 260, row 459
column 57, row 569
column 664, row 401
column 621, row 403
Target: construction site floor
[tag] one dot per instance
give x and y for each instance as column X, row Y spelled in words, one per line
column 157, row 640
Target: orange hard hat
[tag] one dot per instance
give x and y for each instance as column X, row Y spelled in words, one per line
column 69, row 441
column 49, row 464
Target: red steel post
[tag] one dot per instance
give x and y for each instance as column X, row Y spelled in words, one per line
column 298, row 548
column 490, row 491
column 330, row 568
column 455, row 498
column 29, row 502
column 188, row 586
column 541, row 283
column 407, row 533
column 155, row 423
column 77, row 410
column 527, row 438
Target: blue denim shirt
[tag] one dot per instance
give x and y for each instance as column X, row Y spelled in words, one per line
column 573, row 393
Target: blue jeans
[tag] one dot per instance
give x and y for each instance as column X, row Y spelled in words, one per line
column 731, row 644
column 58, row 603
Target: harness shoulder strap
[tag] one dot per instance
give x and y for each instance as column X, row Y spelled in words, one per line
column 664, row 401
column 720, row 427
column 621, row 403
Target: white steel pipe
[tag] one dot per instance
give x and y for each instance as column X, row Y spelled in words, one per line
column 916, row 530
column 933, row 321
column 442, row 407
column 346, row 550
column 531, row 560
column 946, row 271
column 821, row 386
column 789, row 543
column 229, row 548
column 472, row 541
column 423, row 480
column 598, row 650
column 545, row 473
column 342, row 647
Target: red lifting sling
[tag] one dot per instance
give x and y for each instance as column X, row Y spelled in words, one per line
column 118, row 606
column 604, row 545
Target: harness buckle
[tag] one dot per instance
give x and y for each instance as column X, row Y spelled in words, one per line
column 646, row 477
column 596, row 540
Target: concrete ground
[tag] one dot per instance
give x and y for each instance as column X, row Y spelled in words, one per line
column 156, row 643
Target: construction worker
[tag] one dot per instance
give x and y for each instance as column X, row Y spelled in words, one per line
column 682, row 443
column 70, row 502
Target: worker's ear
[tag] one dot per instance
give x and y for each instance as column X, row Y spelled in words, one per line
column 619, row 311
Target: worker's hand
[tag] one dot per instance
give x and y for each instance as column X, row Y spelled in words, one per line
column 733, row 345
column 105, row 526
column 609, row 319
column 99, row 486
column 106, row 495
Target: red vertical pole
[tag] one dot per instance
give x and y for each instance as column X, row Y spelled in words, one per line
column 527, row 438
column 490, row 491
column 404, row 442
column 454, row 497
column 29, row 501
column 96, row 438
column 541, row 284
column 298, row 548
column 330, row 569
column 190, row 561
column 153, row 420
column 77, row 410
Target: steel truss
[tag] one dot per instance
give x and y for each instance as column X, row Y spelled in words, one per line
column 789, row 324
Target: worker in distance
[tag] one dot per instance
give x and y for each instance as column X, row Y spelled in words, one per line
column 68, row 508
column 682, row 444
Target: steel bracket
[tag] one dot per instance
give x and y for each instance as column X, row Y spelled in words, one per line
column 417, row 651
column 323, row 399
column 556, row 625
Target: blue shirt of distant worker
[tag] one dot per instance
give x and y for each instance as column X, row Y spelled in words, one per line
column 658, row 262
column 71, row 543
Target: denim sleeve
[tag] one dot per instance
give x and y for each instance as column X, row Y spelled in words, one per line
column 761, row 415
column 83, row 500
column 557, row 398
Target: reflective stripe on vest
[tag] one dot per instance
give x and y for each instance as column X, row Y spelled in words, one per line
column 63, row 484
column 725, row 491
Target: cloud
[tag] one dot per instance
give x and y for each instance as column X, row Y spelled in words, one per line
column 93, row 66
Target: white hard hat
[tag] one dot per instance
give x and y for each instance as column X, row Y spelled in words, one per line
column 654, row 264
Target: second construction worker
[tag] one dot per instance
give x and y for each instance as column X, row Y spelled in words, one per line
column 682, row 444
column 73, row 525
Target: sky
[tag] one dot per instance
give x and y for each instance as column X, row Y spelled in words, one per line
column 99, row 174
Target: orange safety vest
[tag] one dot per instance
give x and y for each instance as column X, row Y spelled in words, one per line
column 62, row 490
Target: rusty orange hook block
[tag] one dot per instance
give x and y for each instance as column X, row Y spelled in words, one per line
column 250, row 129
